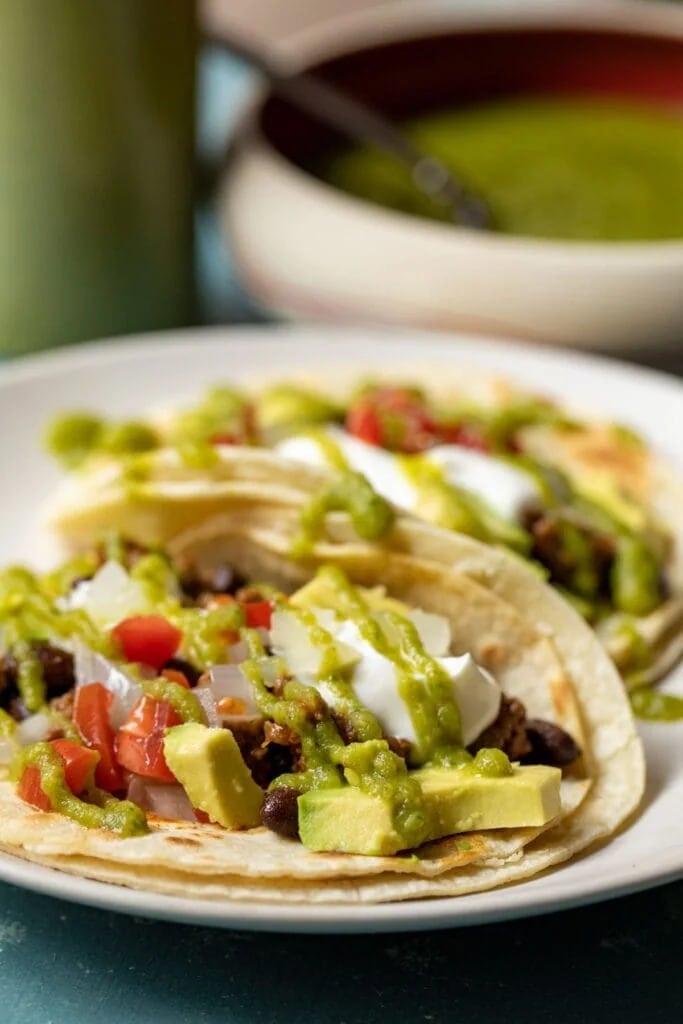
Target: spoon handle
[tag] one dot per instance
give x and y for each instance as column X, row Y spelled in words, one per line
column 360, row 123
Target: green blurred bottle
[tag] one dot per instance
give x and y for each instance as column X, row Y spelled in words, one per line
column 97, row 102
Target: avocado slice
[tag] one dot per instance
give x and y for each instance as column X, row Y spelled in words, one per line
column 210, row 768
column 348, row 820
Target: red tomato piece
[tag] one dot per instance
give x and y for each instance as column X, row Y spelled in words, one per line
column 257, row 614
column 140, row 740
column 363, row 422
column 241, row 429
column 393, row 418
column 148, row 639
column 467, row 435
column 29, row 789
column 92, row 705
column 79, row 763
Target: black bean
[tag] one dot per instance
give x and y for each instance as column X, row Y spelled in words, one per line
column 280, row 811
column 550, row 744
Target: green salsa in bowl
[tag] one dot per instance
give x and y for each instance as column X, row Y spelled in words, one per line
column 586, row 169
column 569, row 123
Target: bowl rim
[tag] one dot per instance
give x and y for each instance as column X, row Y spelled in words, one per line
column 347, row 33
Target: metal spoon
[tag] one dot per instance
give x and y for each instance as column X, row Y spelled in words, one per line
column 362, row 123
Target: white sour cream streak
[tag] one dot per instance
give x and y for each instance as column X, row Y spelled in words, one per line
column 505, row 489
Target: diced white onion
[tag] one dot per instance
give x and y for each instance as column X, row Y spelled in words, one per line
column 291, row 639
column 208, row 703
column 165, row 799
column 434, row 631
column 7, row 749
column 33, row 729
column 232, row 693
column 110, row 596
column 95, row 668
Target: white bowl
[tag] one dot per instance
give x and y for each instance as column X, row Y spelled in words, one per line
column 305, row 249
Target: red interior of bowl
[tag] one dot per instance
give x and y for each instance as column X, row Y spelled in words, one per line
column 453, row 69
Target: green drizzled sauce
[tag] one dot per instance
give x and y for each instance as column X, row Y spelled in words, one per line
column 656, row 706
column 181, row 700
column 372, row 517
column 423, row 684
column 456, row 508
column 105, row 811
column 27, row 614
column 330, row 450
column 368, row 764
column 73, row 438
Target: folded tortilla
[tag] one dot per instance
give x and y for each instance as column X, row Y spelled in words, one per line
column 590, row 453
column 245, row 510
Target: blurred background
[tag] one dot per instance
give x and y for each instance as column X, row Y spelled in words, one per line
column 150, row 178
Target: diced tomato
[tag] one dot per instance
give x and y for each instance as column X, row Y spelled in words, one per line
column 148, row 639
column 175, row 676
column 92, row 706
column 257, row 614
column 467, row 435
column 140, row 740
column 29, row 789
column 393, row 418
column 79, row 763
column 241, row 429
column 362, row 421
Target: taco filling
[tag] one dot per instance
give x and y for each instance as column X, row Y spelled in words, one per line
column 136, row 685
column 579, row 502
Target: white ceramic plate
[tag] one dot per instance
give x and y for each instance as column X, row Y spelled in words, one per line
column 122, row 378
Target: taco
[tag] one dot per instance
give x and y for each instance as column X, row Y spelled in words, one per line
column 249, row 713
column 589, row 505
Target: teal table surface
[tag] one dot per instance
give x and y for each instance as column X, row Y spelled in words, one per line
column 61, row 963
column 617, row 961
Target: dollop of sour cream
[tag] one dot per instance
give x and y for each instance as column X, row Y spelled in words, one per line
column 508, row 491
column 375, row 678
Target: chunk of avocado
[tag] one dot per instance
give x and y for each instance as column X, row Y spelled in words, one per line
column 462, row 801
column 347, row 820
column 209, row 766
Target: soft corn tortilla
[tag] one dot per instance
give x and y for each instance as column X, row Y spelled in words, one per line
column 538, row 648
